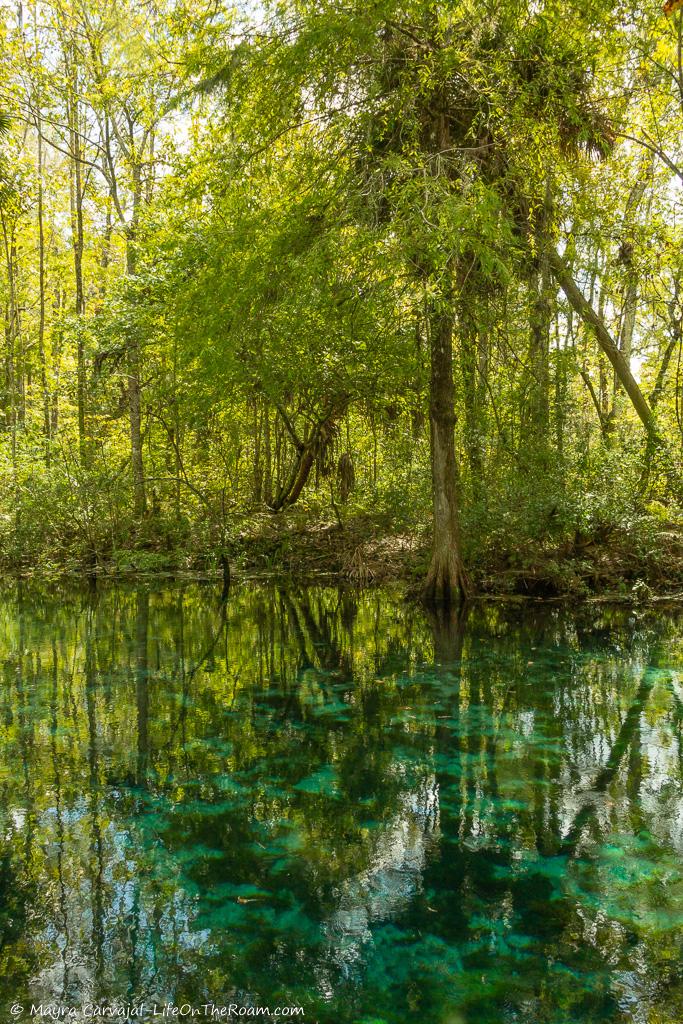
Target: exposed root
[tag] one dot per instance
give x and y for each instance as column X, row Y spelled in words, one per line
column 446, row 585
column 357, row 569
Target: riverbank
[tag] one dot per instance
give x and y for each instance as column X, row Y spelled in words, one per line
column 620, row 563
column 634, row 565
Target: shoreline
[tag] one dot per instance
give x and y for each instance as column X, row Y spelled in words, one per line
column 382, row 560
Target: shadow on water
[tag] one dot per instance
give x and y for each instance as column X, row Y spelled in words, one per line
column 333, row 800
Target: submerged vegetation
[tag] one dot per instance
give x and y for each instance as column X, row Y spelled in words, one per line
column 332, row 800
column 379, row 290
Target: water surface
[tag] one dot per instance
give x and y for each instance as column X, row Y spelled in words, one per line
column 329, row 800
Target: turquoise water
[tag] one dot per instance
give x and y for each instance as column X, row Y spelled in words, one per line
column 331, row 801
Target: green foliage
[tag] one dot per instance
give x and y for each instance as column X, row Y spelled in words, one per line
column 267, row 222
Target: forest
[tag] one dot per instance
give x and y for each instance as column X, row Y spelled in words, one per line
column 383, row 290
column 341, row 511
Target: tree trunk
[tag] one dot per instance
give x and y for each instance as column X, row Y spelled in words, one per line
column 307, row 453
column 268, row 467
column 137, row 153
column 539, row 352
column 540, row 321
column 655, row 442
column 56, row 362
column 20, row 349
column 77, row 239
column 630, row 302
column 11, row 335
column 676, row 339
column 473, row 367
column 41, row 298
column 42, row 358
column 446, row 582
column 607, row 344
column 134, row 401
column 257, row 467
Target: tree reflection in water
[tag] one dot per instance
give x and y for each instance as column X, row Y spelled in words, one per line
column 332, row 800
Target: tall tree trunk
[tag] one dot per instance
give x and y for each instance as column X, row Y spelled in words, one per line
column 675, row 341
column 105, row 251
column 56, row 362
column 11, row 334
column 268, row 457
column 628, row 321
column 135, row 397
column 45, row 391
column 473, row 367
column 257, row 466
column 77, row 236
column 41, row 297
column 137, row 153
column 541, row 313
column 631, row 284
column 446, row 581
column 19, row 347
column 177, row 438
column 540, row 318
column 560, row 394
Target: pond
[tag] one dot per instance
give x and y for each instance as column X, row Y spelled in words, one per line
column 330, row 801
